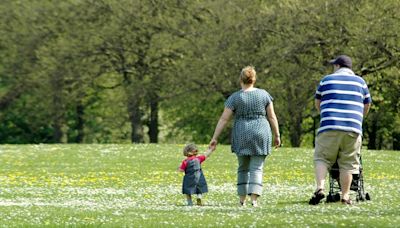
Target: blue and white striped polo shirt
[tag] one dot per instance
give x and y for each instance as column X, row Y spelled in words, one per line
column 343, row 95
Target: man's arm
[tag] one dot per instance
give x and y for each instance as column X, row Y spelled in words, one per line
column 318, row 105
column 366, row 108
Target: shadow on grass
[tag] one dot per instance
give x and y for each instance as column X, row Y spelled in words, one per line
column 293, row 202
column 210, row 204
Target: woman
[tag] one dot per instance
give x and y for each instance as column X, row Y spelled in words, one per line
column 254, row 116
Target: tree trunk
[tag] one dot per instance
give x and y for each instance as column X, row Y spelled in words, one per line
column 380, row 142
column 295, row 111
column 153, row 123
column 80, row 111
column 135, row 117
column 295, row 132
column 372, row 129
column 57, row 84
column 396, row 140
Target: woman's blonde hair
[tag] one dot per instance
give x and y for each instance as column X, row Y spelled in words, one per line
column 248, row 75
column 190, row 150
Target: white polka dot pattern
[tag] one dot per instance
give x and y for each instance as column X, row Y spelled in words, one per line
column 251, row 130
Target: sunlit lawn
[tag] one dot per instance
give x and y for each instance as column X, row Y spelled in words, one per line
column 138, row 186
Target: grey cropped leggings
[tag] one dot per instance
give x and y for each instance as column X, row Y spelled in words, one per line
column 250, row 173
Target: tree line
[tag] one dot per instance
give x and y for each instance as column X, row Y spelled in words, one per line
column 112, row 71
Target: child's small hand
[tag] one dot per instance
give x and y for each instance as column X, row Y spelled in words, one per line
column 209, row 151
column 213, row 145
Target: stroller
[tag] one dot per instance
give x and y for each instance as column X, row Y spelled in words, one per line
column 357, row 185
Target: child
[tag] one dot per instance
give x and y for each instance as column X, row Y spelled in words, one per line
column 194, row 181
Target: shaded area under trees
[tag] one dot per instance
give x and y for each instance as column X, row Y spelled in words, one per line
column 159, row 71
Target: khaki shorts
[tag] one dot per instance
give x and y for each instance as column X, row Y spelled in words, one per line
column 341, row 146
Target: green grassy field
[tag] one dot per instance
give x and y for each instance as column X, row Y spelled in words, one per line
column 138, row 186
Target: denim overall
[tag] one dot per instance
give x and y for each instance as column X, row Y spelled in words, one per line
column 194, row 181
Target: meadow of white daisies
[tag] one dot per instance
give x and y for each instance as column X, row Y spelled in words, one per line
column 138, row 186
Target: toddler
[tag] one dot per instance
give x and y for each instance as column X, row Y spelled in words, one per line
column 194, row 181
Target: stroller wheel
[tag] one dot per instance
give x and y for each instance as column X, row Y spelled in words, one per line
column 330, row 198
column 337, row 197
column 333, row 198
column 367, row 197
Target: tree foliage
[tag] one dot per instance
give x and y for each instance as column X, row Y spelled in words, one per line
column 83, row 71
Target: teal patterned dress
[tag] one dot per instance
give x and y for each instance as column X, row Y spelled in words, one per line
column 251, row 134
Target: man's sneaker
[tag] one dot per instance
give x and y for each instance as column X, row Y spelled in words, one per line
column 317, row 197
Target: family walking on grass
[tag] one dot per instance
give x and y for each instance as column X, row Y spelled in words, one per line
column 342, row 99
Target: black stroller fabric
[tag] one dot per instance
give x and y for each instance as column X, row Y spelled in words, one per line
column 357, row 184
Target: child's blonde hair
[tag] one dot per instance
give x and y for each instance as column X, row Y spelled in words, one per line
column 190, row 150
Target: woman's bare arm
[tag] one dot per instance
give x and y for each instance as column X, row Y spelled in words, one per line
column 273, row 121
column 223, row 120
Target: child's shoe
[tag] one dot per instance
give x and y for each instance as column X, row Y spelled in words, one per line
column 198, row 202
column 189, row 203
column 254, row 203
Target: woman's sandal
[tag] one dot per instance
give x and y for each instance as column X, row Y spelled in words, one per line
column 317, row 197
column 347, row 202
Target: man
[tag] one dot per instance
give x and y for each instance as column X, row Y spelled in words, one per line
column 342, row 99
